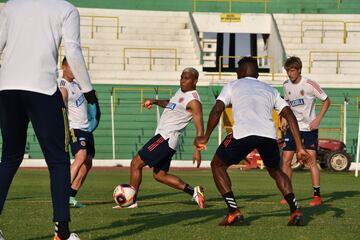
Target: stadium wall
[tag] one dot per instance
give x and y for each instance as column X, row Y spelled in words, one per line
column 271, row 6
column 130, row 118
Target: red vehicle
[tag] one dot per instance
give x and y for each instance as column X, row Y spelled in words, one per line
column 331, row 155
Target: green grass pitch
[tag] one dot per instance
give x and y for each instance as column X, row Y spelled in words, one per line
column 165, row 213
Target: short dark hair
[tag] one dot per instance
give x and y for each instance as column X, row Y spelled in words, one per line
column 293, row 62
column 248, row 67
column 248, row 60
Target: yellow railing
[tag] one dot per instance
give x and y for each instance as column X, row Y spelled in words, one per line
column 230, row 2
column 257, row 57
column 93, row 26
column 141, row 90
column 151, row 57
column 86, row 55
column 345, row 26
column 330, row 52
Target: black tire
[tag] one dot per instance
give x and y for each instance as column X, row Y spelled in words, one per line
column 323, row 165
column 321, row 156
column 338, row 161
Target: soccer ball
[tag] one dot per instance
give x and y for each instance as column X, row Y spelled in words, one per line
column 124, row 195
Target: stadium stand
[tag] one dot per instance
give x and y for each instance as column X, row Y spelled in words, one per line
column 136, row 46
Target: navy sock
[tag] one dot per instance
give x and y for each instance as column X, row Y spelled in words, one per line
column 73, row 192
column 317, row 191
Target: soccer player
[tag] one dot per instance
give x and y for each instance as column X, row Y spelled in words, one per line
column 301, row 94
column 158, row 151
column 252, row 104
column 30, row 35
column 81, row 139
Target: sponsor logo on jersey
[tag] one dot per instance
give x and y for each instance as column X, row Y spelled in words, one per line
column 297, row 102
column 171, row 105
column 80, row 101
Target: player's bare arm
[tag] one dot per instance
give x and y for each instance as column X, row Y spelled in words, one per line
column 195, row 108
column 213, row 120
column 161, row 103
column 316, row 122
column 301, row 153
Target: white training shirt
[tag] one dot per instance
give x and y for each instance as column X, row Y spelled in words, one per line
column 252, row 104
column 301, row 98
column 175, row 117
column 30, row 35
column 77, row 105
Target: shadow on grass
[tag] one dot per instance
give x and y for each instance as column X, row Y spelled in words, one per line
column 141, row 198
column 140, row 222
column 145, row 221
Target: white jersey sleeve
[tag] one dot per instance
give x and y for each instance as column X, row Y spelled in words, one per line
column 192, row 96
column 225, row 94
column 73, row 52
column 280, row 103
column 316, row 90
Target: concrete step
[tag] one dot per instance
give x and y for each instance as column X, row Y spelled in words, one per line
column 108, row 21
column 155, row 37
column 157, row 31
column 333, row 64
column 118, row 58
column 332, row 70
column 327, row 45
column 143, row 62
column 136, row 42
column 120, row 48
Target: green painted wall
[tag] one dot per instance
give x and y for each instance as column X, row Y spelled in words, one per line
column 273, row 6
column 135, row 126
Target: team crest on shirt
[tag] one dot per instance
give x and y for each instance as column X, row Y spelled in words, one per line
column 181, row 100
column 289, row 93
column 302, row 92
column 82, row 141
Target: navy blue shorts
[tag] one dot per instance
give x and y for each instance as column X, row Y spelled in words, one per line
column 232, row 151
column 80, row 139
column 309, row 138
column 156, row 153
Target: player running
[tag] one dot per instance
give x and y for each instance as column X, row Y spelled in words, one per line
column 252, row 104
column 159, row 150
